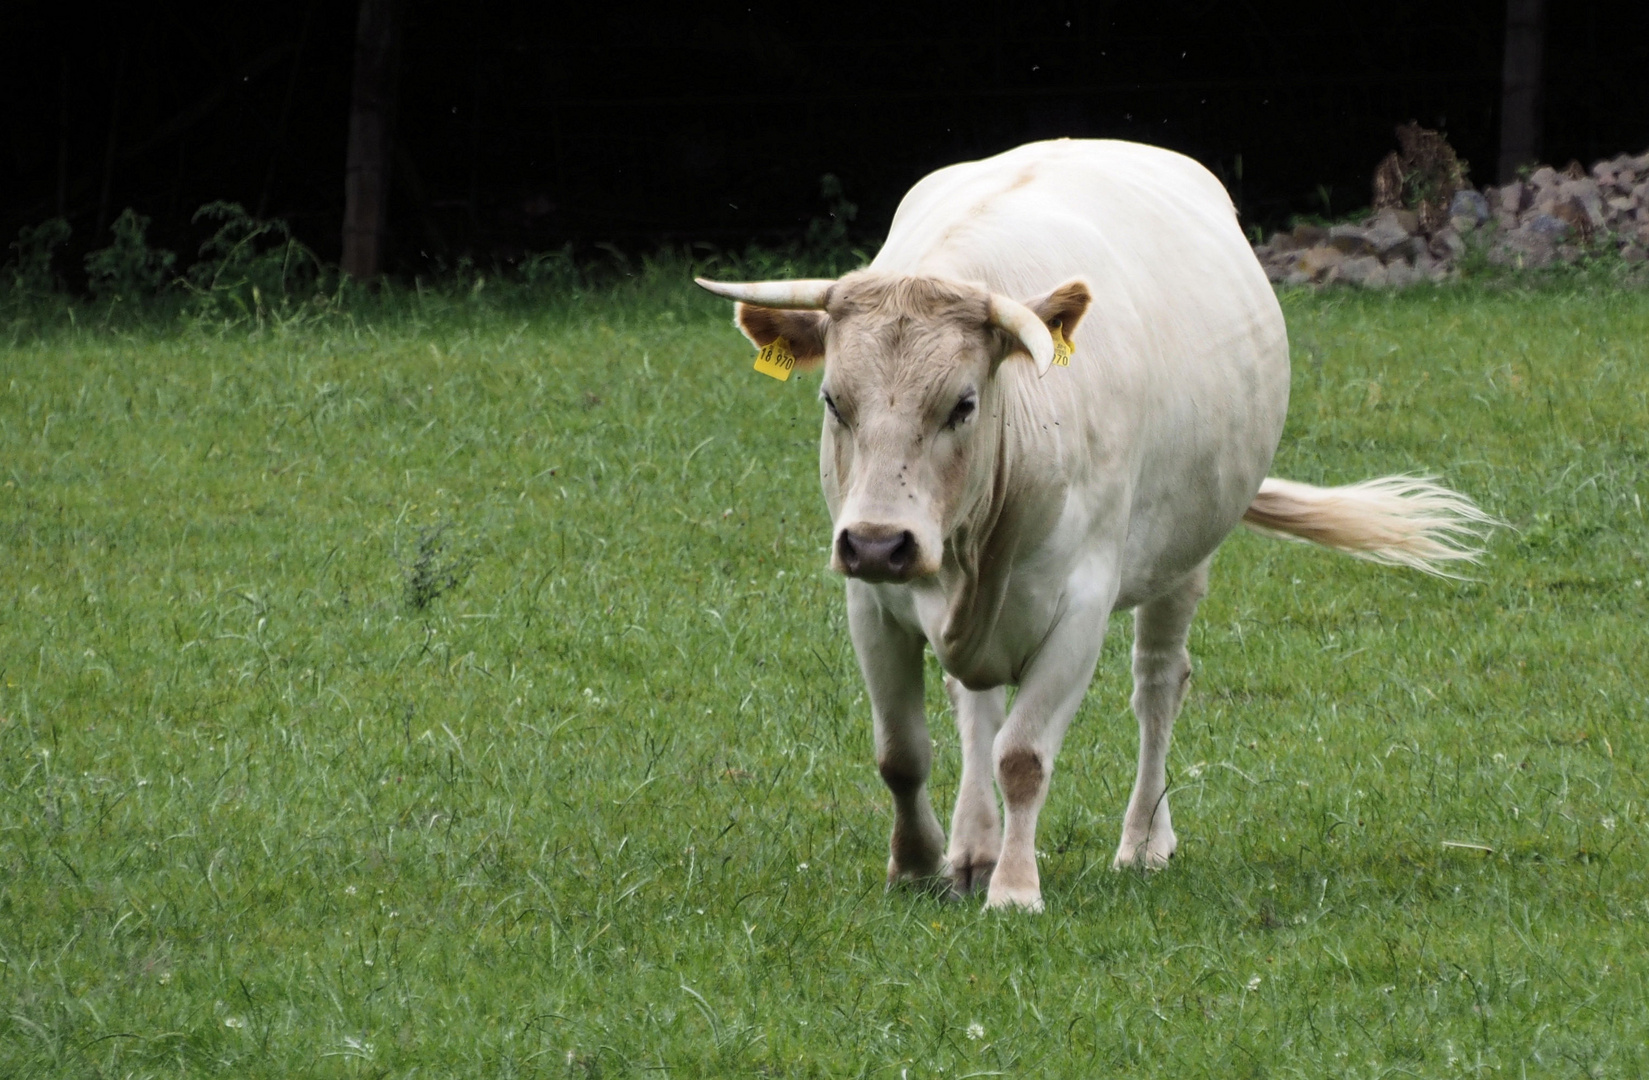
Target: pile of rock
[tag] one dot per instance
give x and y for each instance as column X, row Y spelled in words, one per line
column 1553, row 216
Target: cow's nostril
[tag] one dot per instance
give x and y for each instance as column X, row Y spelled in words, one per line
column 878, row 557
column 848, row 552
column 903, row 555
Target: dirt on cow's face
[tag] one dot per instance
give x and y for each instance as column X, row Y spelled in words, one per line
column 908, row 391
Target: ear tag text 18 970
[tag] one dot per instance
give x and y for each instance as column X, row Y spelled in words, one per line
column 776, row 359
column 1062, row 348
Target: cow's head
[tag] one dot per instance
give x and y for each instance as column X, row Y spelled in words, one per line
column 911, row 394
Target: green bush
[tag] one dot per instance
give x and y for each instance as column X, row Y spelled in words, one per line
column 249, row 264
column 827, row 237
column 129, row 269
column 31, row 268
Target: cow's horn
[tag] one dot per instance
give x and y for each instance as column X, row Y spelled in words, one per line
column 805, row 295
column 1022, row 323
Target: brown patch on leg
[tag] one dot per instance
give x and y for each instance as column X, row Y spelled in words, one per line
column 1020, row 774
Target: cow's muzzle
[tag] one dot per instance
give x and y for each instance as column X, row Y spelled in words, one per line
column 877, row 554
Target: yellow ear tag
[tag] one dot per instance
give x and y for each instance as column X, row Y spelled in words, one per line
column 776, row 359
column 1062, row 348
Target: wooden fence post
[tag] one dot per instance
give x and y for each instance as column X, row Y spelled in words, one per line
column 1521, row 80
column 371, row 124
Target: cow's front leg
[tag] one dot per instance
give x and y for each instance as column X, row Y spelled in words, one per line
column 1050, row 691
column 976, row 827
column 1162, row 670
column 890, row 656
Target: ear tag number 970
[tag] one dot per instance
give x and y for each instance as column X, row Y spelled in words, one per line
column 776, row 359
column 1062, row 348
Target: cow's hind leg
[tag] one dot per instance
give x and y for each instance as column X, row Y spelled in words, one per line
column 976, row 826
column 1162, row 670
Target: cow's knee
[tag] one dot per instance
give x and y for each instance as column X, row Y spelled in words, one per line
column 903, row 778
column 1021, row 774
column 1160, row 674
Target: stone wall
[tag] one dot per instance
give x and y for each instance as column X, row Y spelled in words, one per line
column 1552, row 217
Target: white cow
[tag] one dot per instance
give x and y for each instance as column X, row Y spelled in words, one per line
column 998, row 509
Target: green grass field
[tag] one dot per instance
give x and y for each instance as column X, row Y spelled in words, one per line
column 460, row 691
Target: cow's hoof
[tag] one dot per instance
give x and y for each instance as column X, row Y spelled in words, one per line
column 1153, row 854
column 917, row 879
column 1014, row 899
column 967, row 878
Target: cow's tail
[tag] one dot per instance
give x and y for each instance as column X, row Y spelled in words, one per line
column 1396, row 520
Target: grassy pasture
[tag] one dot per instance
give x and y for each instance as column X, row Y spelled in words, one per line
column 460, row 692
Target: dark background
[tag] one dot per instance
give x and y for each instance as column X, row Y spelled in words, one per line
column 524, row 126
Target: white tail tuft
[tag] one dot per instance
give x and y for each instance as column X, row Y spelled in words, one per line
column 1395, row 520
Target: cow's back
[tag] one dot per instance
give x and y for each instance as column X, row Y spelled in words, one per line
column 1174, row 402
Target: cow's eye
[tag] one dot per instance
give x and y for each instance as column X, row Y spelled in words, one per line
column 830, row 403
column 960, row 414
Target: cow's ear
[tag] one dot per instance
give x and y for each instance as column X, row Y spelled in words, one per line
column 1063, row 307
column 804, row 330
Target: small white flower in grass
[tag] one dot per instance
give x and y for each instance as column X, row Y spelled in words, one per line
column 976, row 1031
column 801, row 866
column 1254, row 983
column 349, row 890
column 1609, row 824
column 233, row 1022
column 357, row 1047
column 1196, row 770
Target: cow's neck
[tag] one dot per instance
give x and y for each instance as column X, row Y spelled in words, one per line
column 1004, row 514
